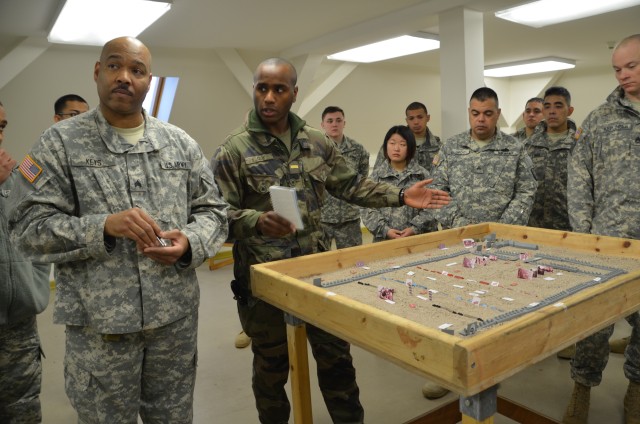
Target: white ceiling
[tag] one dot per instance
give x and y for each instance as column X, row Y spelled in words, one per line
column 293, row 28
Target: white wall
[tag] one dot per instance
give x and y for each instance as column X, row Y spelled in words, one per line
column 210, row 102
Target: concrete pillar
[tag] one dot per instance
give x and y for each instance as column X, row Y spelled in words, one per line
column 461, row 66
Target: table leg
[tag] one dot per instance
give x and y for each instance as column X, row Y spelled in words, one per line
column 479, row 408
column 299, row 370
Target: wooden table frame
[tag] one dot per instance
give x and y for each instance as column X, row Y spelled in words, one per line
column 468, row 366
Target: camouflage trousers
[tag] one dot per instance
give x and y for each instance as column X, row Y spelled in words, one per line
column 592, row 355
column 346, row 234
column 20, row 373
column 336, row 376
column 111, row 378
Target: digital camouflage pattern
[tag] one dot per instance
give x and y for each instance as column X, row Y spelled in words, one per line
column 346, row 234
column 334, row 210
column 24, row 286
column 340, row 219
column 521, row 134
column 425, row 152
column 24, row 293
column 20, row 372
column 380, row 221
column 166, row 357
column 245, row 166
column 87, row 172
column 494, row 183
column 550, row 161
column 592, row 355
column 604, row 194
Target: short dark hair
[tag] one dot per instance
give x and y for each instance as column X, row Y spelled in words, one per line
column 416, row 106
column 331, row 109
column 558, row 91
column 534, row 100
column 485, row 93
column 58, row 106
column 405, row 133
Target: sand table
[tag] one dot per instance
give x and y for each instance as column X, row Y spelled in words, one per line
column 471, row 286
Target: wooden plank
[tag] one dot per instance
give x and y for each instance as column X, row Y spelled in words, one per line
column 470, row 420
column 299, row 372
column 449, row 413
column 521, row 413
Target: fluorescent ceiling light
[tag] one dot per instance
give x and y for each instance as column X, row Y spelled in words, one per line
column 94, row 22
column 548, row 12
column 533, row 66
column 388, row 49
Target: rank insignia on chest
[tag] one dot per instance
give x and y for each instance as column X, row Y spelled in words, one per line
column 294, row 168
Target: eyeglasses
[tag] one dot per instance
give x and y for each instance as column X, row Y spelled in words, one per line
column 70, row 114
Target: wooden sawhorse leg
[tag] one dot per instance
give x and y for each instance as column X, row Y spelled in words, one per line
column 299, row 370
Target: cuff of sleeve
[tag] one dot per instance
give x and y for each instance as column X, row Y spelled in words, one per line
column 185, row 261
column 251, row 222
column 393, row 198
column 98, row 243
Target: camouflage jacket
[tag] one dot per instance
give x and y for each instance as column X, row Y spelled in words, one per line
column 604, row 187
column 494, row 183
column 251, row 160
column 424, row 153
column 24, row 287
column 81, row 171
column 335, row 210
column 380, row 221
column 521, row 134
column 550, row 160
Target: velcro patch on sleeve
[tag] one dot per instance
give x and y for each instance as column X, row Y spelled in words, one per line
column 30, row 169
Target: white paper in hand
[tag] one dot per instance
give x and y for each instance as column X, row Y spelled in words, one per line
column 285, row 203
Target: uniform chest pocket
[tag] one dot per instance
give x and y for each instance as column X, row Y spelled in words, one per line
column 96, row 179
column 501, row 170
column 260, row 183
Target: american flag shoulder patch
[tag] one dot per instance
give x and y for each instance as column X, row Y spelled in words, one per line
column 30, row 169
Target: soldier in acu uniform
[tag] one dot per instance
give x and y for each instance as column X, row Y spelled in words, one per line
column 549, row 149
column 402, row 170
column 487, row 172
column 531, row 116
column 604, row 198
column 127, row 208
column 276, row 147
column 341, row 220
column 24, row 293
column 428, row 144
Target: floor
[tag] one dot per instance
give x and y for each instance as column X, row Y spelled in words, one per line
column 389, row 394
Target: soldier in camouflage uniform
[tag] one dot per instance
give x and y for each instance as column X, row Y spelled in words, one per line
column 549, row 149
column 341, row 220
column 604, row 194
column 428, row 144
column 126, row 207
column 401, row 170
column 487, row 172
column 24, row 293
column 276, row 147
column 531, row 116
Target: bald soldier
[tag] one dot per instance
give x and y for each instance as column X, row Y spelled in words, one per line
column 126, row 207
